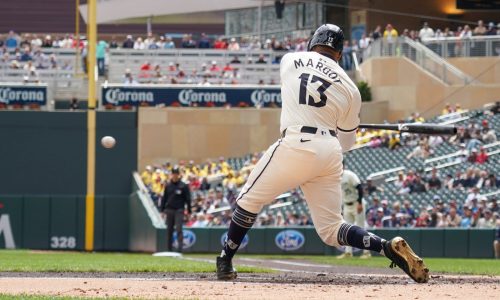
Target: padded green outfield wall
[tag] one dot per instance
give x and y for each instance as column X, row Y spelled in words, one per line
column 465, row 243
column 43, row 179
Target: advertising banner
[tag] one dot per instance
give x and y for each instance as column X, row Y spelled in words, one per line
column 191, row 95
column 22, row 94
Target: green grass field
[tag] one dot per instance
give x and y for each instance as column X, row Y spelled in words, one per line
column 35, row 261
column 39, row 261
column 436, row 265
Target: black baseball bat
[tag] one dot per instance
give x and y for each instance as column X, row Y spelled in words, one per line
column 425, row 128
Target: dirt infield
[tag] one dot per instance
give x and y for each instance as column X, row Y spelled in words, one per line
column 295, row 280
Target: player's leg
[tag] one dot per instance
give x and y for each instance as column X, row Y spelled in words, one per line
column 349, row 215
column 280, row 169
column 360, row 220
column 496, row 246
column 170, row 228
column 323, row 197
column 179, row 220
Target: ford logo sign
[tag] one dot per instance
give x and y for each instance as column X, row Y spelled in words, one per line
column 244, row 243
column 289, row 240
column 189, row 238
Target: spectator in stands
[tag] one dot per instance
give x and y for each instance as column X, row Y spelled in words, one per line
column 305, row 221
column 423, row 219
column 488, row 135
column 491, row 29
column 400, row 181
column 128, row 43
column 492, row 181
column 394, row 142
column 473, row 156
column 379, row 218
column 139, row 44
column 261, row 59
column 377, row 33
column 496, row 108
column 434, row 182
column 214, row 67
column 480, row 28
column 390, row 37
column 26, row 56
column 421, row 151
column 279, row 220
column 453, row 219
column 466, row 33
column 204, row 42
column 188, row 42
column 220, row 43
column 129, row 79
column 113, row 44
column 201, row 221
column 493, row 206
column 12, row 40
column 417, row 186
column 363, row 43
column 169, row 43
column 101, row 49
column 408, row 210
column 233, row 45
column 448, row 182
column 469, row 179
column 235, row 60
column 426, row 32
column 487, row 221
column 482, row 157
column 47, row 42
column 467, row 220
column 74, row 104
column 369, row 188
column 346, row 60
column 447, row 109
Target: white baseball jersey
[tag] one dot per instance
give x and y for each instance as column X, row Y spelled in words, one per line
column 349, row 183
column 316, row 92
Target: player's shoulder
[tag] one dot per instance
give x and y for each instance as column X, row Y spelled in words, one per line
column 292, row 56
column 350, row 174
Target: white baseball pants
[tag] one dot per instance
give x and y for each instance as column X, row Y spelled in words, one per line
column 311, row 161
column 351, row 216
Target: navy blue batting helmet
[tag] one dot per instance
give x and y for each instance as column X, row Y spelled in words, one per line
column 327, row 35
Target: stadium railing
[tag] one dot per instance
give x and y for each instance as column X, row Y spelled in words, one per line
column 419, row 54
column 464, row 47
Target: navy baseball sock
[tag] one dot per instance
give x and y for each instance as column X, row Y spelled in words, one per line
column 241, row 222
column 355, row 236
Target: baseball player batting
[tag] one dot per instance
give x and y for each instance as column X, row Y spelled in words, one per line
column 353, row 208
column 319, row 118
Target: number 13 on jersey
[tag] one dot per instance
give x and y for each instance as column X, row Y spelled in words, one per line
column 304, row 79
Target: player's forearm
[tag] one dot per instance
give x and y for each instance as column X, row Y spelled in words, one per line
column 360, row 193
column 346, row 139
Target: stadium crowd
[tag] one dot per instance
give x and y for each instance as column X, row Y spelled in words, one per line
column 215, row 185
column 17, row 51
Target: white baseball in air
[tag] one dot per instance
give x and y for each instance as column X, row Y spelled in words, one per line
column 108, row 142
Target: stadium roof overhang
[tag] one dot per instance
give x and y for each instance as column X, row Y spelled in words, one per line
column 116, row 10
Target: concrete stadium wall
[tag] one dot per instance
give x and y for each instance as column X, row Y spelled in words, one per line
column 408, row 88
column 172, row 134
column 486, row 69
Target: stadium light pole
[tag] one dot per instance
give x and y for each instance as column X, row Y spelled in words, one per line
column 91, row 125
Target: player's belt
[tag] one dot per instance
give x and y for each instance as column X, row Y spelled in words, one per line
column 349, row 204
column 309, row 129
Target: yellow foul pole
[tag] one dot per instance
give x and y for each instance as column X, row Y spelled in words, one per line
column 91, row 125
